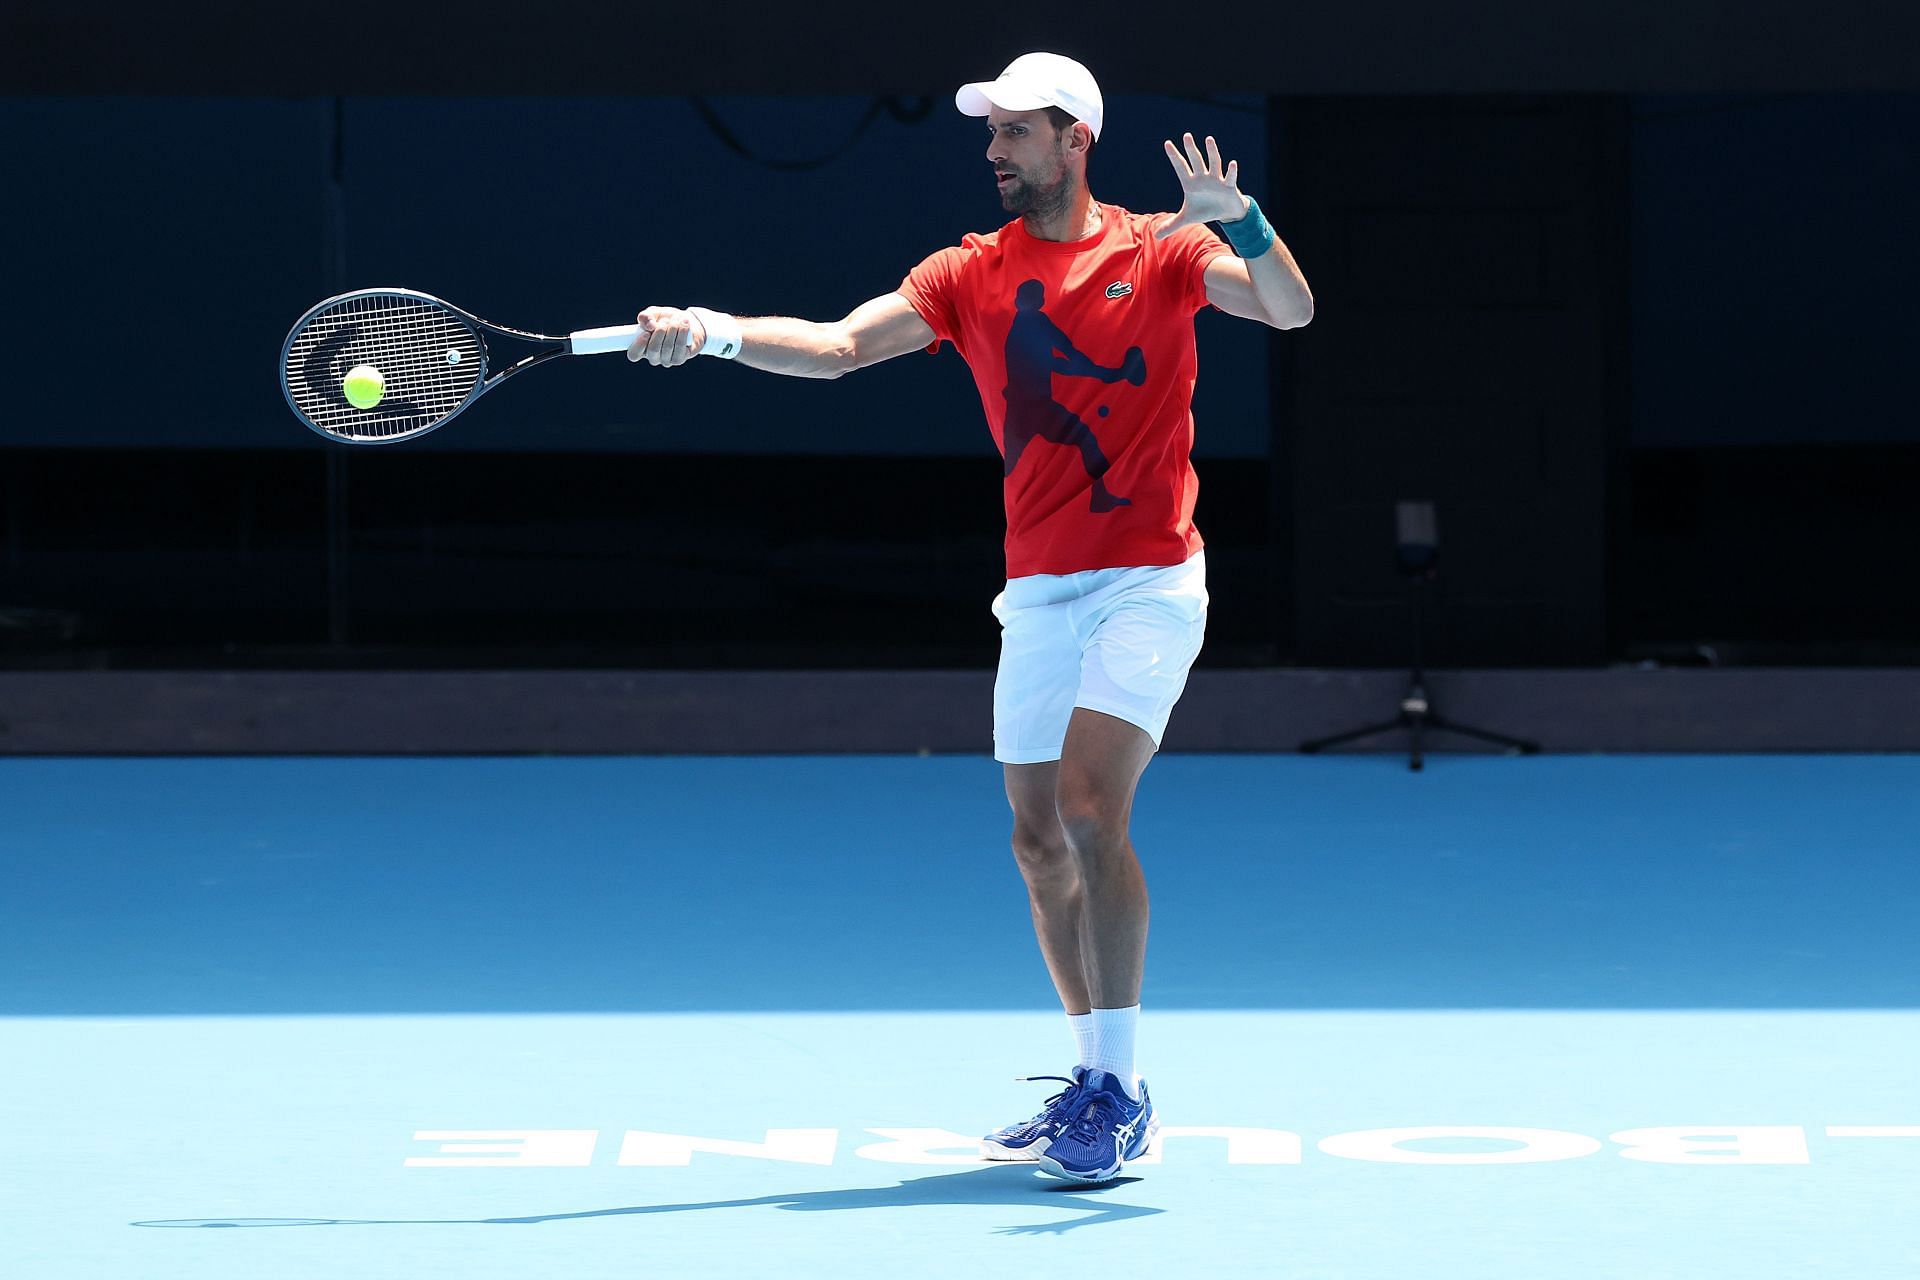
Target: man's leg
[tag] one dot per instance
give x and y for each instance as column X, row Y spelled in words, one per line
column 1100, row 766
column 1084, row 884
column 1054, row 895
column 1053, row 878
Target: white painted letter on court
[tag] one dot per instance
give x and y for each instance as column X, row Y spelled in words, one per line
column 922, row 1146
column 793, row 1146
column 531, row 1148
column 1701, row 1144
column 1537, row 1146
column 1244, row 1146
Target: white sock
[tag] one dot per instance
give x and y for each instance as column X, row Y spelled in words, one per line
column 1082, row 1024
column 1113, row 1035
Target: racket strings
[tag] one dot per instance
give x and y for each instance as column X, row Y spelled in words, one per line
column 430, row 359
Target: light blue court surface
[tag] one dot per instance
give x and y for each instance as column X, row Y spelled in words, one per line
column 1548, row 1017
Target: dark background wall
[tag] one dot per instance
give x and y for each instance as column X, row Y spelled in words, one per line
column 1769, row 276
column 1623, row 288
column 880, row 46
column 1773, row 268
column 208, row 222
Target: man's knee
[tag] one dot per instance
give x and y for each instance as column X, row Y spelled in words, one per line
column 1044, row 856
column 1093, row 823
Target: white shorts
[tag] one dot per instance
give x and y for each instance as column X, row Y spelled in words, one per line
column 1114, row 640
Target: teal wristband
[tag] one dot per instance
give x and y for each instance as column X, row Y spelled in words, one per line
column 1250, row 236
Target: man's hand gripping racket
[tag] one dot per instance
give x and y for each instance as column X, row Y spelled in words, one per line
column 668, row 336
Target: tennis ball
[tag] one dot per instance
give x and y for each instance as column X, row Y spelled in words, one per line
column 364, row 386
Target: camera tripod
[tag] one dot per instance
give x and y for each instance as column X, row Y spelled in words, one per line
column 1417, row 714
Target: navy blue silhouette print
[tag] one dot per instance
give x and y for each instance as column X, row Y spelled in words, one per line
column 1037, row 349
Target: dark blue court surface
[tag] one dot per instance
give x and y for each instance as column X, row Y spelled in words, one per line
column 1546, row 1017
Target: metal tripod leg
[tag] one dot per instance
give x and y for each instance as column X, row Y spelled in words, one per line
column 1385, row 726
column 1521, row 745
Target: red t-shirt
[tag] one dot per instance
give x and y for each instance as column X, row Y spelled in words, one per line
column 1084, row 356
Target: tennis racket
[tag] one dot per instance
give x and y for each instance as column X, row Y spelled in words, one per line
column 431, row 355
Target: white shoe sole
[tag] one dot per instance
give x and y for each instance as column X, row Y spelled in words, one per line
column 991, row 1150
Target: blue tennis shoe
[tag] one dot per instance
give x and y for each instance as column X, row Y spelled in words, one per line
column 1026, row 1140
column 1107, row 1130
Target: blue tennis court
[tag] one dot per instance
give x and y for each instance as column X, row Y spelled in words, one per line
column 1556, row 1016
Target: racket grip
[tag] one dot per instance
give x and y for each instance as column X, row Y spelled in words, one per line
column 594, row 342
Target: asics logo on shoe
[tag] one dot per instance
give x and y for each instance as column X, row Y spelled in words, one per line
column 1119, row 289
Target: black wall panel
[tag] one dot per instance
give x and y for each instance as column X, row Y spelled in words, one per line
column 1470, row 352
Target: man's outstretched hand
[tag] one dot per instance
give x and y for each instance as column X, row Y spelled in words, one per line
column 1211, row 189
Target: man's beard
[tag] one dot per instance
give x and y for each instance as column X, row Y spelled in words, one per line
column 1023, row 197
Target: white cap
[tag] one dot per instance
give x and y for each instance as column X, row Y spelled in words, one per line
column 1035, row 80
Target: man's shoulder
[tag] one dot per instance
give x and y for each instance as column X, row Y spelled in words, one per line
column 984, row 241
column 973, row 245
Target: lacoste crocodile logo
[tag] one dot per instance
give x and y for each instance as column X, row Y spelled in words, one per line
column 1119, row 289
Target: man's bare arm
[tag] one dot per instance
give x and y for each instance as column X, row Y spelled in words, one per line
column 876, row 330
column 1268, row 288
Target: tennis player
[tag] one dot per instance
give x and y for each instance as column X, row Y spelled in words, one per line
column 1076, row 319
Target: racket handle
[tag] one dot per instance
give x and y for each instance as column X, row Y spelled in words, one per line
column 594, row 342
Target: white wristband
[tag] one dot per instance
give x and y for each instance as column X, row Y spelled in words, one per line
column 723, row 333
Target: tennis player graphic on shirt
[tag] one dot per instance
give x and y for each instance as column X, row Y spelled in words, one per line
column 1105, row 600
column 1037, row 349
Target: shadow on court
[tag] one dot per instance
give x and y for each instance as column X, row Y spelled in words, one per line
column 1001, row 1185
